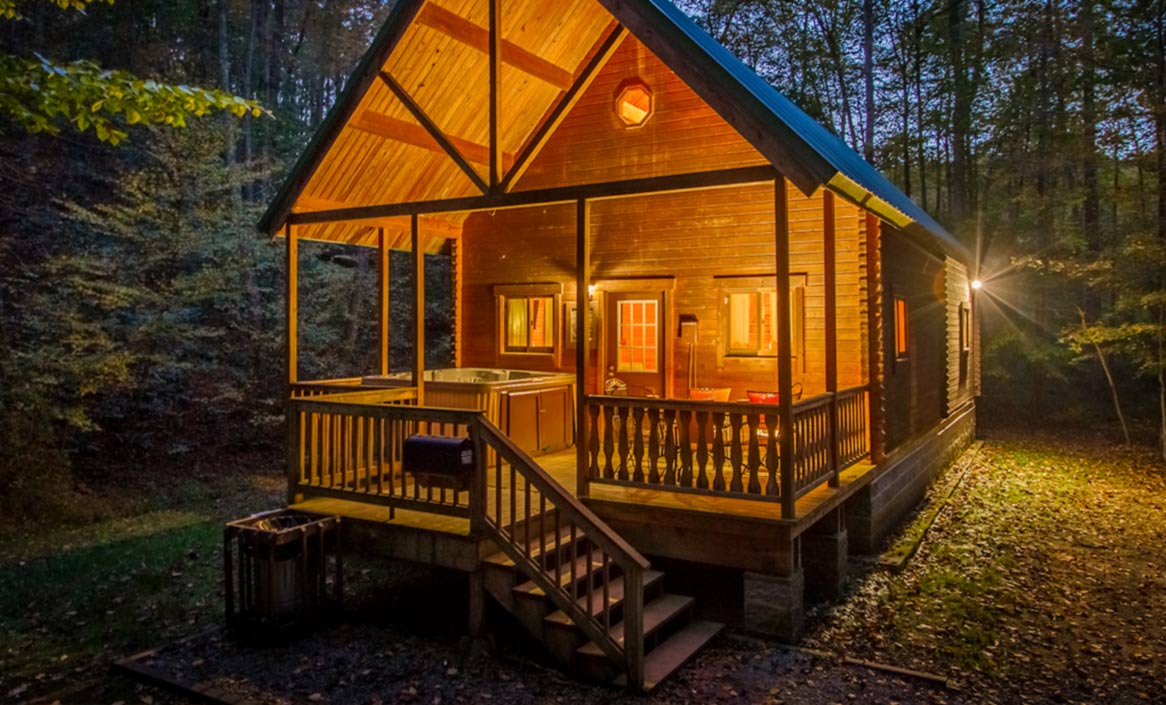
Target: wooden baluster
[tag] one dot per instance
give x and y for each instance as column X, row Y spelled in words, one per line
column 771, row 420
column 513, row 504
column 735, row 485
column 608, row 442
column 574, row 559
column 526, row 516
column 542, row 526
column 390, row 429
column 606, row 578
column 669, row 432
column 622, row 469
column 754, row 454
column 685, row 418
column 638, row 443
column 313, row 448
column 366, row 447
column 593, row 440
column 719, row 450
column 558, row 553
column 702, row 452
column 653, row 446
column 498, row 491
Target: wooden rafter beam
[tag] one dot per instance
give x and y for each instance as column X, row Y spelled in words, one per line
column 434, row 131
column 695, row 181
column 559, row 111
column 412, row 134
column 462, row 30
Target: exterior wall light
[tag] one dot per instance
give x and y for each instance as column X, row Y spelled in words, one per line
column 976, row 284
column 634, row 103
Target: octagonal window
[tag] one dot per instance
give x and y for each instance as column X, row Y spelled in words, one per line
column 633, row 103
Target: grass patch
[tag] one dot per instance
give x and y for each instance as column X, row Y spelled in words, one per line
column 74, row 598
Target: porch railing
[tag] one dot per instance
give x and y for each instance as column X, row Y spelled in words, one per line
column 321, row 387
column 729, row 449
column 341, row 445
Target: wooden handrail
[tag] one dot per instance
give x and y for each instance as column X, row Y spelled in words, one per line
column 578, row 518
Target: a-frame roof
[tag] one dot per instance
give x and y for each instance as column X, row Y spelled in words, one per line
column 428, row 72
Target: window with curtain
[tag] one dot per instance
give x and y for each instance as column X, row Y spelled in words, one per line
column 751, row 322
column 529, row 324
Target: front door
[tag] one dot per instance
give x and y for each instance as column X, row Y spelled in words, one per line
column 634, row 343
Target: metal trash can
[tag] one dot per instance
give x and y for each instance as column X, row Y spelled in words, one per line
column 276, row 566
column 439, row 461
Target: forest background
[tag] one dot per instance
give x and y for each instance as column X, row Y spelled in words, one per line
column 141, row 325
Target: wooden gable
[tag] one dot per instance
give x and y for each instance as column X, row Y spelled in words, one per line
column 682, row 135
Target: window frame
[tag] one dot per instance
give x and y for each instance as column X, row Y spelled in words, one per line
column 503, row 294
column 902, row 327
column 761, row 286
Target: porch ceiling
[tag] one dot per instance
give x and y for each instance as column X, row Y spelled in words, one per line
column 384, row 153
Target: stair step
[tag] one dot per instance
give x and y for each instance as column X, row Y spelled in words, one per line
column 657, row 613
column 536, row 550
column 674, row 652
column 592, row 562
column 615, row 593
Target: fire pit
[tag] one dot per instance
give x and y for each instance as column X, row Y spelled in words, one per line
column 276, row 566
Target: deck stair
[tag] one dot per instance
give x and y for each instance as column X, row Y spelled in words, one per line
column 672, row 634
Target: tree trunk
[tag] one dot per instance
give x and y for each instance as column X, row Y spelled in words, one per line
column 868, row 79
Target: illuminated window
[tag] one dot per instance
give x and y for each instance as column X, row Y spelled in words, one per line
column 529, row 323
column 633, row 103
column 902, row 330
column 638, row 349
column 965, row 328
column 751, row 323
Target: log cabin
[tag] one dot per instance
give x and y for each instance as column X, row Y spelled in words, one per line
column 694, row 331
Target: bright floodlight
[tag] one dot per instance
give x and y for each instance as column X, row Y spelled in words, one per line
column 976, row 284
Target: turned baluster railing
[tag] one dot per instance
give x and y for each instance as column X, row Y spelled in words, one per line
column 724, row 448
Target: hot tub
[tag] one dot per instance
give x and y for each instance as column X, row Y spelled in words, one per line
column 534, row 408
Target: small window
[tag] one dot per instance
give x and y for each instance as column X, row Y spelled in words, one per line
column 751, row 322
column 901, row 327
column 529, row 324
column 965, row 328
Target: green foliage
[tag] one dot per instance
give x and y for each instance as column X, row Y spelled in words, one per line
column 38, row 94
column 10, row 9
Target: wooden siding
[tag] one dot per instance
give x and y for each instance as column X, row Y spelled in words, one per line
column 702, row 240
column 914, row 385
column 682, row 135
column 959, row 363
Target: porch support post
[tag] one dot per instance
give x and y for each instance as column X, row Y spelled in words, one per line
column 293, row 303
column 829, row 270
column 874, row 312
column 495, row 54
column 784, row 340
column 582, row 349
column 418, row 310
column 383, row 298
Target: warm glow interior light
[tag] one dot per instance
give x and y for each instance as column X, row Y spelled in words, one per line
column 976, row 284
column 591, row 291
column 633, row 105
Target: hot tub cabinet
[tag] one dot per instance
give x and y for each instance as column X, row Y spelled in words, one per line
column 533, row 408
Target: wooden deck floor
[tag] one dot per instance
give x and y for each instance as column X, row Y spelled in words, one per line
column 561, row 466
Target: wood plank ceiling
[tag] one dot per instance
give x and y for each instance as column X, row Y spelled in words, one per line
column 386, row 154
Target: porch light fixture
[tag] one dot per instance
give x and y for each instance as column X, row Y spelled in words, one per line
column 633, row 103
column 976, row 284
